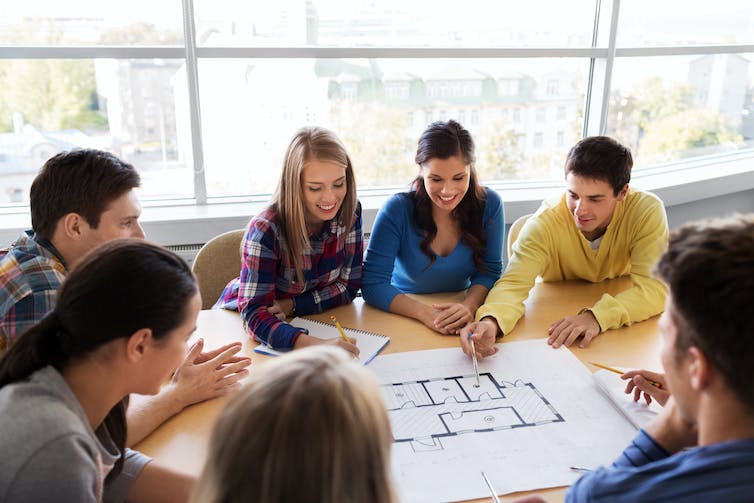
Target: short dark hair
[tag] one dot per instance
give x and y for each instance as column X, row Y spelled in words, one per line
column 601, row 158
column 709, row 267
column 83, row 181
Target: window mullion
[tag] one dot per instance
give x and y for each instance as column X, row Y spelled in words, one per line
column 192, row 79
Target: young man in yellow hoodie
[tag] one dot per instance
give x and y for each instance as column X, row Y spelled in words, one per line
column 599, row 229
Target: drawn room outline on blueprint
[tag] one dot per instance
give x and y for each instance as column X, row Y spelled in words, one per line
column 424, row 411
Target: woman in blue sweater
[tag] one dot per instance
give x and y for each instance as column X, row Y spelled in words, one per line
column 446, row 234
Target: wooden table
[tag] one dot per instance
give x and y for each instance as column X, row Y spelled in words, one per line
column 182, row 441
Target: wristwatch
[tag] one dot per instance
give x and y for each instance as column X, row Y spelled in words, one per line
column 293, row 308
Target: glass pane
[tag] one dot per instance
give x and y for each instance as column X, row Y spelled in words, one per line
column 680, row 22
column 524, row 114
column 83, row 22
column 669, row 108
column 391, row 23
column 136, row 109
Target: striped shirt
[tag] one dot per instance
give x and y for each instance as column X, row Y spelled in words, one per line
column 30, row 275
column 646, row 472
column 331, row 269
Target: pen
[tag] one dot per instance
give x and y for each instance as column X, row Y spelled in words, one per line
column 611, row 369
column 476, row 364
column 340, row 329
column 492, row 489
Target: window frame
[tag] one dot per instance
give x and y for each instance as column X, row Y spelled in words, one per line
column 602, row 55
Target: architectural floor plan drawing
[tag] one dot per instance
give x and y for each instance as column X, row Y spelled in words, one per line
column 535, row 412
column 424, row 411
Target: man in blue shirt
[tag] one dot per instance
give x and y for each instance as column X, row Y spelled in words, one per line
column 701, row 447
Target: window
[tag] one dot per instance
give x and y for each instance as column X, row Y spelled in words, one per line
column 507, row 87
column 539, row 140
column 58, row 104
column 672, row 108
column 208, row 113
column 552, row 88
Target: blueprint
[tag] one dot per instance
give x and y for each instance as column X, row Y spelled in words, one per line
column 422, row 412
column 535, row 412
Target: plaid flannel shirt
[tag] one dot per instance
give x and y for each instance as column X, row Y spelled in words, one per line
column 331, row 268
column 30, row 275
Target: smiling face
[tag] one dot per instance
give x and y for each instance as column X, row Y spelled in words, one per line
column 592, row 204
column 446, row 181
column 324, row 185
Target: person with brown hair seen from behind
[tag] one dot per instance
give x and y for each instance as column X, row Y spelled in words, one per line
column 79, row 200
column 315, row 415
column 700, row 448
column 599, row 229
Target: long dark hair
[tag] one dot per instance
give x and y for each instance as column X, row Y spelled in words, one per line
column 119, row 288
column 442, row 140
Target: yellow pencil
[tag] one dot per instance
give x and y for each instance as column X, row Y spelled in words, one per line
column 611, row 369
column 340, row 329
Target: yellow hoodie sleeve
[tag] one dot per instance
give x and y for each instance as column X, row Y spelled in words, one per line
column 505, row 301
column 647, row 239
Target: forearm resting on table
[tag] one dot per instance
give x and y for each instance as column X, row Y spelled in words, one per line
column 146, row 413
column 406, row 306
column 159, row 484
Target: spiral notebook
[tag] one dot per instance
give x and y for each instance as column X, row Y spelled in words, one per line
column 612, row 386
column 369, row 343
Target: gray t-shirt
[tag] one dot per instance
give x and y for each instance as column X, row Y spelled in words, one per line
column 49, row 451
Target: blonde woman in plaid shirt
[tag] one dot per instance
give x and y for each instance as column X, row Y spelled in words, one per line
column 303, row 253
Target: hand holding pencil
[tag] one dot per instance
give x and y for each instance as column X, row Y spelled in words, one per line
column 651, row 384
column 350, row 344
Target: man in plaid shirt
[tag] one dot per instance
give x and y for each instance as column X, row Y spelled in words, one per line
column 79, row 200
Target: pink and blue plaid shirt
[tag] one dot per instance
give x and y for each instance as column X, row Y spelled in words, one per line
column 31, row 273
column 331, row 268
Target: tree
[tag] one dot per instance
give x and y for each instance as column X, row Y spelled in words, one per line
column 49, row 94
column 376, row 137
column 631, row 114
column 682, row 133
column 498, row 154
column 141, row 34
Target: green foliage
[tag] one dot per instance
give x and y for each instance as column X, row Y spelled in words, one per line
column 141, row 34
column 664, row 122
column 683, row 132
column 49, row 94
column 498, row 154
column 375, row 138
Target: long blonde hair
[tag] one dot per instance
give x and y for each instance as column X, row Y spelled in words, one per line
column 307, row 144
column 312, row 427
